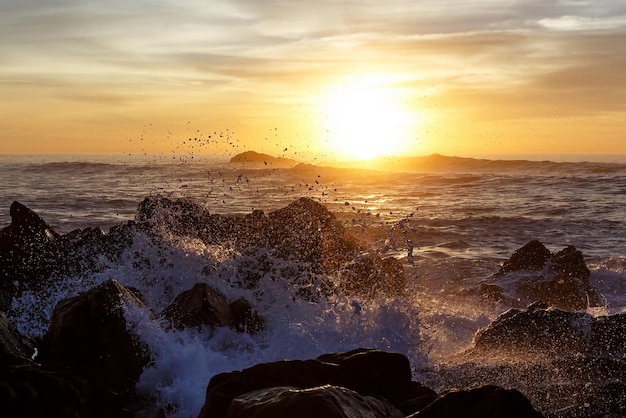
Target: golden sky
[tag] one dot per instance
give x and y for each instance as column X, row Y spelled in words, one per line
column 355, row 78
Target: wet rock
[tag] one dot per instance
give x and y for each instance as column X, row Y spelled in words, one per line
column 323, row 401
column 205, row 306
column 28, row 390
column 307, row 231
column 533, row 273
column 368, row 372
column 28, row 247
column 14, row 349
column 371, row 274
column 540, row 331
column 532, row 256
column 483, row 402
column 245, row 318
column 89, row 334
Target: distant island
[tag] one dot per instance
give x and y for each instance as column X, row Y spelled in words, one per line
column 258, row 158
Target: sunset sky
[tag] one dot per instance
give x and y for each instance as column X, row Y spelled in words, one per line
column 344, row 78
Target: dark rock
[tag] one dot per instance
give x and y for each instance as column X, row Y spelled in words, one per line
column 244, row 318
column 368, row 372
column 540, row 332
column 199, row 306
column 88, row 333
column 31, row 391
column 14, row 349
column 28, row 247
column 204, row 306
column 323, row 401
column 307, row 231
column 532, row 256
column 370, row 275
column 533, row 273
column 375, row 372
column 483, row 402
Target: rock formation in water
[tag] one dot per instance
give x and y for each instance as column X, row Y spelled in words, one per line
column 533, row 273
column 253, row 157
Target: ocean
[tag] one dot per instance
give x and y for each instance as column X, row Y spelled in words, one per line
column 450, row 221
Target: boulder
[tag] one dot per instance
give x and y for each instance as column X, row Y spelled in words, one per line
column 482, row 402
column 14, row 349
column 540, row 332
column 199, row 306
column 307, row 231
column 533, row 273
column 532, row 256
column 322, row 401
column 369, row 275
column 89, row 334
column 29, row 390
column 205, row 306
column 368, row 372
column 28, row 247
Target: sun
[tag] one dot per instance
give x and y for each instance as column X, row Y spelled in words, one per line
column 364, row 119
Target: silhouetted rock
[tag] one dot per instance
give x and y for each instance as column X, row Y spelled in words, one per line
column 245, row 318
column 359, row 383
column 88, row 333
column 532, row 256
column 28, row 248
column 29, row 390
column 253, row 157
column 322, row 401
column 371, row 274
column 483, row 402
column 368, row 372
column 542, row 331
column 533, row 273
column 14, row 348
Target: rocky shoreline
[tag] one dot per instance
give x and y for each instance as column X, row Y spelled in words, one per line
column 89, row 361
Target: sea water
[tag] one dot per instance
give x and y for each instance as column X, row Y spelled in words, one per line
column 450, row 224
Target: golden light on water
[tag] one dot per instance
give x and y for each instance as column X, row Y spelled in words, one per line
column 365, row 118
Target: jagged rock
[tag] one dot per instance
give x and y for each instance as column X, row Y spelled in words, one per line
column 323, row 401
column 368, row 372
column 307, row 231
column 371, row 274
column 89, row 333
column 28, row 390
column 203, row 305
column 542, row 331
column 533, row 273
column 483, row 402
column 532, row 256
column 28, row 247
column 14, row 348
column 245, row 318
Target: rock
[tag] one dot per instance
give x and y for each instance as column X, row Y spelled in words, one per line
column 28, row 247
column 307, row 231
column 483, row 402
column 369, row 275
column 204, row 306
column 14, row 349
column 540, row 331
column 88, row 333
column 323, row 401
column 532, row 256
column 265, row 159
column 533, row 273
column 28, row 390
column 368, row 372
column 244, row 318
